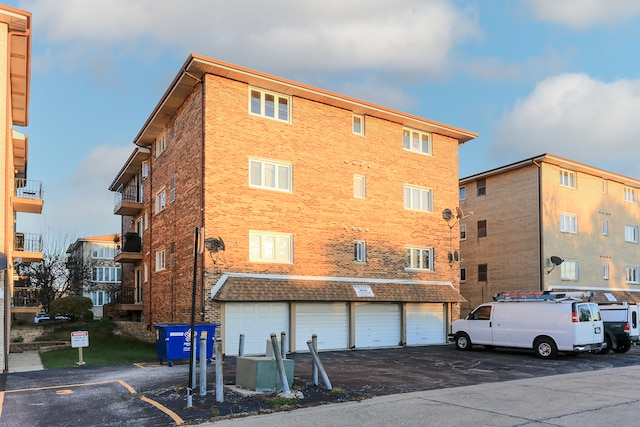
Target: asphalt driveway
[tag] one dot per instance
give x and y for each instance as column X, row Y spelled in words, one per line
column 155, row 395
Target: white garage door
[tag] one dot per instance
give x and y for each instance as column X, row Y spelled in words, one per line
column 425, row 324
column 377, row 325
column 329, row 321
column 257, row 321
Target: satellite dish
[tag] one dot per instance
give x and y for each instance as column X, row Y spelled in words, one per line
column 556, row 260
column 214, row 245
column 459, row 213
column 447, row 214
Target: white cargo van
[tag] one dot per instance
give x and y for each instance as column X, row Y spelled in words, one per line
column 546, row 326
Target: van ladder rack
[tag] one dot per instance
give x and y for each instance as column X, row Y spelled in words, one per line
column 542, row 296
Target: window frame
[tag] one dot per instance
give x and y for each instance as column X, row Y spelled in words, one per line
column 414, row 258
column 568, row 223
column 570, row 274
column 631, row 238
column 568, row 178
column 463, row 232
column 481, row 187
column 161, row 144
column 276, row 239
column 482, row 228
column 161, row 260
column 161, row 200
column 408, row 143
column 359, row 186
column 276, row 178
column 483, row 272
column 277, row 98
column 408, row 197
column 357, row 120
column 632, row 274
column 463, row 275
column 462, row 193
column 630, row 194
column 360, row 251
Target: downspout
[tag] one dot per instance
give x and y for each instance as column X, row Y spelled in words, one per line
column 540, row 238
column 202, row 207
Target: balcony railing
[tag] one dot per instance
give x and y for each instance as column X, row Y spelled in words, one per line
column 126, row 296
column 127, row 200
column 28, row 242
column 25, row 297
column 131, row 248
column 28, row 196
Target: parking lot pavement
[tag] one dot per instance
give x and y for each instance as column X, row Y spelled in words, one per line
column 115, row 395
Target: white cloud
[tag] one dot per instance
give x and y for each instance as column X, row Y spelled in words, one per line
column 582, row 14
column 578, row 117
column 331, row 35
column 82, row 205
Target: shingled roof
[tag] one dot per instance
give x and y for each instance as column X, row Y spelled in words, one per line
column 254, row 289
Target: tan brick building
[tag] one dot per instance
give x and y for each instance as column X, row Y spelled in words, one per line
column 527, row 212
column 17, row 193
column 329, row 209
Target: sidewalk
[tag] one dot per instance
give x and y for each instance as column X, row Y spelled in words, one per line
column 599, row 398
column 25, row 362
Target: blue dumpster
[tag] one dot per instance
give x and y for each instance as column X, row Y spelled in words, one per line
column 173, row 340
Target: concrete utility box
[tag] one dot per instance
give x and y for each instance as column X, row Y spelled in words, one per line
column 261, row 373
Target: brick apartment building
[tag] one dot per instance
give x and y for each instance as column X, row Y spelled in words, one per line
column 19, row 194
column 322, row 214
column 543, row 209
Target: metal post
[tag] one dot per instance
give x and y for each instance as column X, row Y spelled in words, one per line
column 314, row 371
column 280, row 365
column 203, row 364
column 219, row 383
column 241, row 346
column 192, row 359
column 317, row 361
column 283, row 345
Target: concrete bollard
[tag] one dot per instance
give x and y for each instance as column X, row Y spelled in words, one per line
column 241, row 346
column 314, row 372
column 219, row 382
column 283, row 344
column 203, row 365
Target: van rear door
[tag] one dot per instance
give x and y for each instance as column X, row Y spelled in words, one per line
column 588, row 327
column 634, row 322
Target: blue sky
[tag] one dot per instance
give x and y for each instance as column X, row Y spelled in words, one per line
column 530, row 76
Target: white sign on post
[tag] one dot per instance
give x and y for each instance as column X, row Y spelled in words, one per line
column 80, row 339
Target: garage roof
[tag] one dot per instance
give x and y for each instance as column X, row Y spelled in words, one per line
column 244, row 287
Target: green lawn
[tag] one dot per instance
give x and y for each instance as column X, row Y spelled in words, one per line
column 105, row 347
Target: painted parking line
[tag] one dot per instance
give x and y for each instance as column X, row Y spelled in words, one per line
column 65, row 389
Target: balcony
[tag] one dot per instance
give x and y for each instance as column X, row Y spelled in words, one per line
column 28, row 247
column 128, row 201
column 131, row 251
column 27, row 196
column 126, row 300
column 25, row 300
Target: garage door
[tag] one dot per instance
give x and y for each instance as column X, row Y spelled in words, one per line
column 329, row 321
column 257, row 321
column 425, row 324
column 377, row 325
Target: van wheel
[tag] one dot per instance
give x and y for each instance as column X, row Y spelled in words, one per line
column 463, row 342
column 608, row 347
column 623, row 348
column 545, row 348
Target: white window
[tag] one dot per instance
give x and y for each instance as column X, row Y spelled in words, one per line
column 268, row 104
column 463, row 275
column 417, row 258
column 161, row 260
column 567, row 178
column 568, row 223
column 630, row 195
column 631, row 233
column 102, row 252
column 569, row 270
column 161, row 200
column 418, row 198
column 415, row 141
column 172, row 189
column 462, row 195
column 605, row 186
column 99, row 298
column 161, row 144
column 145, row 169
column 359, row 251
column 605, row 227
column 358, row 125
column 359, row 187
column 270, row 247
column 633, row 275
column 605, row 271
column 106, row 274
column 270, row 175
column 463, row 231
